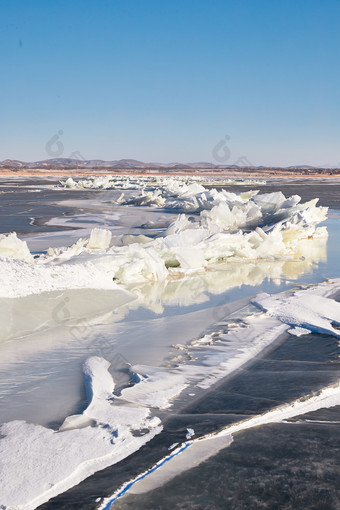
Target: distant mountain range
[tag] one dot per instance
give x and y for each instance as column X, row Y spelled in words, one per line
column 66, row 163
column 99, row 163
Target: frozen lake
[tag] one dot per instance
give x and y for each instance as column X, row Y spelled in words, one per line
column 156, row 327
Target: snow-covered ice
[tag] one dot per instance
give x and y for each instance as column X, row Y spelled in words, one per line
column 306, row 310
column 37, row 463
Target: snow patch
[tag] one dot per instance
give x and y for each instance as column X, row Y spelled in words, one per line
column 304, row 310
column 49, row 462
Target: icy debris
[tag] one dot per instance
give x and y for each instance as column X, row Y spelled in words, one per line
column 69, row 183
column 12, row 247
column 190, row 433
column 99, row 239
column 298, row 331
column 132, row 239
column 172, row 446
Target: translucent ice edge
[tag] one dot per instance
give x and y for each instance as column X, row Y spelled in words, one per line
column 230, row 228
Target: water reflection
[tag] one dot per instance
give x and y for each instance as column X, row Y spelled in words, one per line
column 80, row 309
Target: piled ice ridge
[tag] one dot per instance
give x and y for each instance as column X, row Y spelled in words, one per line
column 126, row 182
column 194, row 198
column 48, row 462
column 191, row 197
column 230, row 227
column 104, row 182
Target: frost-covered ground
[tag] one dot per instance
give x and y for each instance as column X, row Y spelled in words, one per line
column 131, row 312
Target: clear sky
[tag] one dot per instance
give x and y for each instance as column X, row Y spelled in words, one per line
column 167, row 80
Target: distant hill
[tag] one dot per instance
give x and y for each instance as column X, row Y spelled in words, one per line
column 99, row 163
column 130, row 164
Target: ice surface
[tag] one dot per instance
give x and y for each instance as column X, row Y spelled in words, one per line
column 48, row 462
column 104, row 432
column 194, row 452
column 199, row 253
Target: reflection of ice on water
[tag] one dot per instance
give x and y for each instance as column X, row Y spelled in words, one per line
column 197, row 287
column 49, row 335
column 83, row 308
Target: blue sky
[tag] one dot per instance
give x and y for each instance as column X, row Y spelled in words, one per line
column 168, row 80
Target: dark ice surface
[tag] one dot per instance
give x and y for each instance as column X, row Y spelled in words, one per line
column 291, row 465
column 23, row 211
